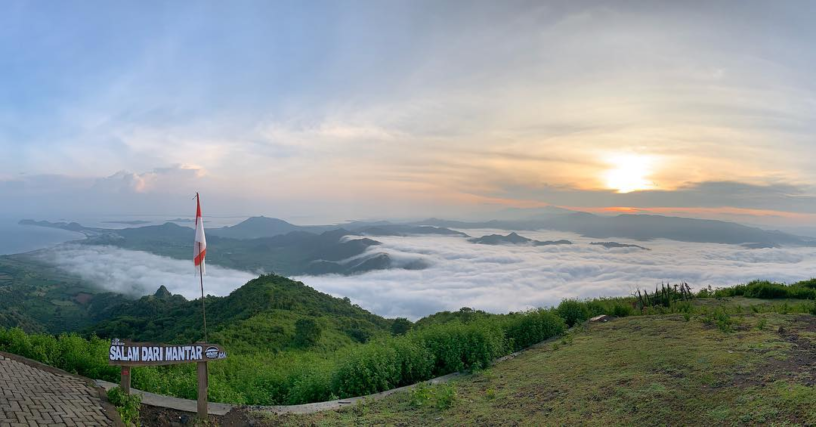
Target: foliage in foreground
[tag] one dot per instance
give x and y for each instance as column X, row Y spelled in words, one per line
column 301, row 376
column 768, row 290
column 632, row 371
column 126, row 405
column 437, row 345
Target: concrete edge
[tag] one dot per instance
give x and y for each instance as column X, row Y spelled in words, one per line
column 170, row 402
column 310, row 408
column 110, row 410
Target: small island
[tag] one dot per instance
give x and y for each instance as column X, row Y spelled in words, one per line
column 614, row 245
column 514, row 239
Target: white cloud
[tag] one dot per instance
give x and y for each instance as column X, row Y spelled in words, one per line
column 507, row 278
column 139, row 273
column 175, row 176
column 463, row 274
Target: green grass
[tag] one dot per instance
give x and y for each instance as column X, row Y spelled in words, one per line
column 642, row 370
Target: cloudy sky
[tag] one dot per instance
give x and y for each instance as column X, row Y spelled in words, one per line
column 342, row 110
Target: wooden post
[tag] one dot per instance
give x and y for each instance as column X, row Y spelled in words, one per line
column 202, row 390
column 124, row 382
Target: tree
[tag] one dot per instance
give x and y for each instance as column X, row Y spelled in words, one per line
column 307, row 332
column 401, row 326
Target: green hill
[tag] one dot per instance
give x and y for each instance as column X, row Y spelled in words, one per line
column 259, row 316
column 38, row 297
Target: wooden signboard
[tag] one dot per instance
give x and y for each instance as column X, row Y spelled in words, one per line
column 126, row 353
column 129, row 354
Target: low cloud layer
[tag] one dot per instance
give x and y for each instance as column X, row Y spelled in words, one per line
column 510, row 278
column 463, row 274
column 139, row 273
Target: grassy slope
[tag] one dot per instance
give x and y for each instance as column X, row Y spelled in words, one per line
column 636, row 370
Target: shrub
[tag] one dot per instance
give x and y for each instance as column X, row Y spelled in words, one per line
column 445, row 396
column 126, row 405
column 572, row 311
column 810, row 284
column 365, row 370
column 622, row 310
column 490, row 394
column 524, row 330
column 770, row 290
column 420, row 395
column 458, row 347
column 723, row 320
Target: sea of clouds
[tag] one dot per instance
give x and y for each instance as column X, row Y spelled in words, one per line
column 464, row 274
column 138, row 273
column 512, row 278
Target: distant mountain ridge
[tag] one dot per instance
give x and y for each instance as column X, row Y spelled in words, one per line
column 639, row 227
column 298, row 252
column 260, row 226
column 515, row 239
column 274, row 245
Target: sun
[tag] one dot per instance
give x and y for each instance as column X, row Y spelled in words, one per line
column 629, row 172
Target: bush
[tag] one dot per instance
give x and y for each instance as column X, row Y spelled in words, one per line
column 572, row 311
column 445, row 396
column 365, row 370
column 769, row 290
column 126, row 405
column 532, row 327
column 459, row 347
column 810, row 284
column 420, row 395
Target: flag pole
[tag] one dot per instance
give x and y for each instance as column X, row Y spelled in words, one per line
column 201, row 269
column 203, row 308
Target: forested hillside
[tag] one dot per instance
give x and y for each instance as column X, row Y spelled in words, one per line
column 262, row 315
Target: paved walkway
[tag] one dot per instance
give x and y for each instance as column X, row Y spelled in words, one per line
column 34, row 395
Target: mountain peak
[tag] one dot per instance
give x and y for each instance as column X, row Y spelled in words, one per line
column 162, row 293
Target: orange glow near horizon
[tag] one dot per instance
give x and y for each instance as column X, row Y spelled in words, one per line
column 701, row 212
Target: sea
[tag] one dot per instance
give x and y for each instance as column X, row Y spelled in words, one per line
column 15, row 238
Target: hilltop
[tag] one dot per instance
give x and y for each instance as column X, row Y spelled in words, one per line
column 259, row 316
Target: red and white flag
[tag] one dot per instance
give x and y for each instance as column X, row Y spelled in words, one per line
column 200, row 249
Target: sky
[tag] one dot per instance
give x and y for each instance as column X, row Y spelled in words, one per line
column 326, row 111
